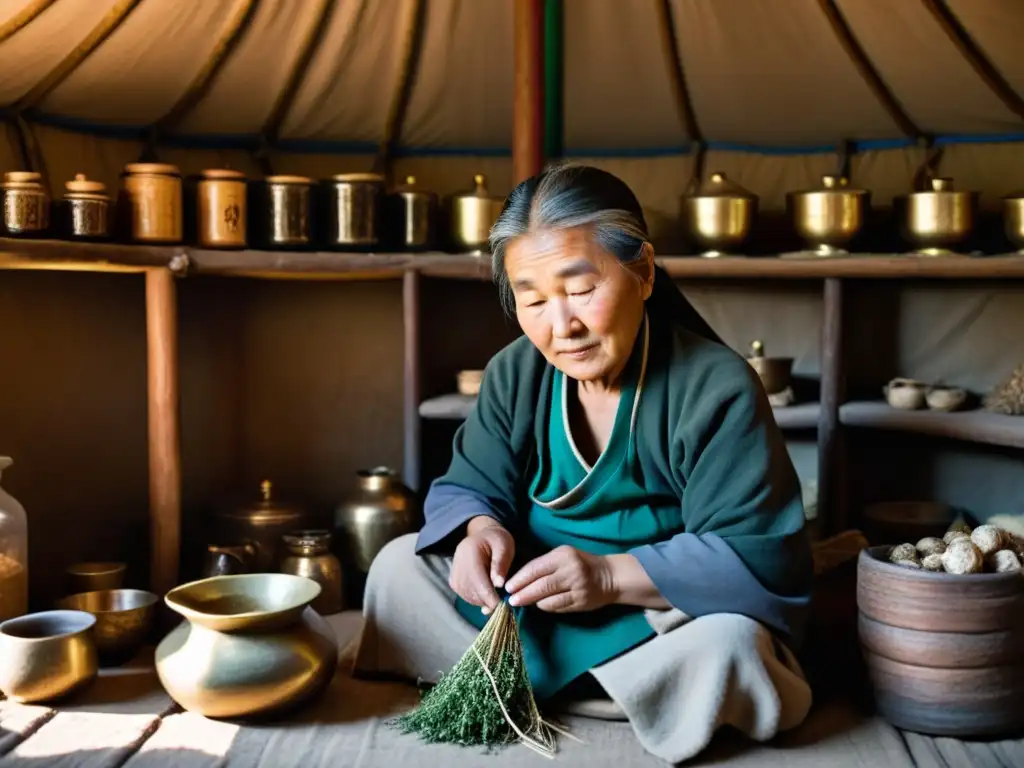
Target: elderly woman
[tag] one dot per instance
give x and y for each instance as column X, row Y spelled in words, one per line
column 623, row 478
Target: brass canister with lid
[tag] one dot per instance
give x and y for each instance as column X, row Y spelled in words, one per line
column 153, row 206
column 288, row 208
column 86, row 209
column 260, row 524
column 354, row 203
column 308, row 553
column 411, row 216
column 221, row 209
column 472, row 215
column 26, row 204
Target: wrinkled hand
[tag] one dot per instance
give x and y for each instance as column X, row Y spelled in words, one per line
column 481, row 563
column 565, row 580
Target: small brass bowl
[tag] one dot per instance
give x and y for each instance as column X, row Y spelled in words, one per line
column 123, row 619
column 94, row 577
column 939, row 219
column 829, row 217
column 719, row 215
column 48, row 655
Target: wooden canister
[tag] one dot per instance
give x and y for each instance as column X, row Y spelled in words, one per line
column 288, row 211
column 152, row 192
column 26, row 204
column 86, row 209
column 221, row 209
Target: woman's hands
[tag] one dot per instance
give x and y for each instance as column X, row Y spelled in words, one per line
column 565, row 580
column 481, row 563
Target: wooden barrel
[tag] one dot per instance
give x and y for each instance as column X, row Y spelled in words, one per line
column 944, row 653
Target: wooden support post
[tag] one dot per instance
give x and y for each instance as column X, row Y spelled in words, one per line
column 528, row 104
column 411, row 373
column 831, row 504
column 164, row 430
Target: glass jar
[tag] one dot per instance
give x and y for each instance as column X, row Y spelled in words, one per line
column 309, row 555
column 13, row 553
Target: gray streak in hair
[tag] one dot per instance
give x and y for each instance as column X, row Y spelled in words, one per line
column 565, row 197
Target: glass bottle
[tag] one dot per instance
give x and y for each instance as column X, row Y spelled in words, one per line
column 13, row 553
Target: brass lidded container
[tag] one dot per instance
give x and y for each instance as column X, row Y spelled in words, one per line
column 938, row 219
column 354, row 210
column 87, row 209
column 830, row 216
column 308, row 553
column 152, row 202
column 26, row 204
column 288, row 206
column 472, row 215
column 411, row 213
column 719, row 215
column 260, row 524
column 1013, row 219
column 221, row 209
column 775, row 372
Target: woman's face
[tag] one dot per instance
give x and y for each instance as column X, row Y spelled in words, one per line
column 576, row 302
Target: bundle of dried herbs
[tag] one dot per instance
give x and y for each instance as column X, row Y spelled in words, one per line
column 486, row 699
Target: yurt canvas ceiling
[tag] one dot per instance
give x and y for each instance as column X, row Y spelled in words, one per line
column 772, row 87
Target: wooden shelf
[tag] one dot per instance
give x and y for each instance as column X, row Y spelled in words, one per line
column 321, row 265
column 976, row 426
column 456, row 407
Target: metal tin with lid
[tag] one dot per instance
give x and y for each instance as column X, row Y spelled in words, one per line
column 473, row 213
column 286, row 220
column 411, row 214
column 260, row 524
column 152, row 202
column 221, row 209
column 354, row 204
column 719, row 214
column 26, row 204
column 86, row 209
column 308, row 554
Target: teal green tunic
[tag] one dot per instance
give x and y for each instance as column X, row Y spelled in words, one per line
column 604, row 509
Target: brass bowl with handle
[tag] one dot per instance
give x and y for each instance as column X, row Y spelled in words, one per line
column 718, row 215
column 828, row 217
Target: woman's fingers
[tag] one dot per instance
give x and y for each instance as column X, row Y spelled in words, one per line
column 539, row 589
column 502, row 552
column 533, row 570
column 563, row 602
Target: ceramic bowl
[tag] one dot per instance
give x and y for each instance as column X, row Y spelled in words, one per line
column 48, row 655
column 945, row 398
column 906, row 394
column 123, row 619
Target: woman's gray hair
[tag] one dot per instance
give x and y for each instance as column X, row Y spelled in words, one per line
column 564, row 197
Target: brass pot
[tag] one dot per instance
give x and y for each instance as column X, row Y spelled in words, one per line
column 354, row 210
column 124, row 618
column 1013, row 219
column 938, row 219
column 472, row 215
column 382, row 509
column 249, row 645
column 829, row 217
column 775, row 372
column 288, row 211
column 221, row 209
column 411, row 214
column 261, row 526
column 26, row 204
column 87, row 209
column 46, row 655
column 718, row 215
column 151, row 194
column 309, row 554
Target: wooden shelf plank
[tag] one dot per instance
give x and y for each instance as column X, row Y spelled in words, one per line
column 321, row 265
column 976, row 426
column 457, row 407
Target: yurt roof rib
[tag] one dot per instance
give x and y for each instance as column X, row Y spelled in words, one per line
column 909, row 66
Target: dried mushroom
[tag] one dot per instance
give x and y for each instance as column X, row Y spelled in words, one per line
column 955, row 534
column 965, row 558
column 932, row 562
column 930, row 546
column 988, row 539
column 1004, row 561
column 988, row 548
column 903, row 552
